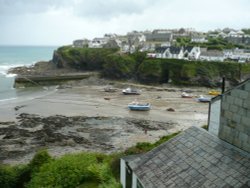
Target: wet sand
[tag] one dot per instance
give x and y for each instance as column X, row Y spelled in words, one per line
column 87, row 99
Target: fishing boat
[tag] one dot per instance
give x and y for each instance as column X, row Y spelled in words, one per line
column 131, row 91
column 203, row 99
column 214, row 92
column 109, row 89
column 139, row 106
column 186, row 95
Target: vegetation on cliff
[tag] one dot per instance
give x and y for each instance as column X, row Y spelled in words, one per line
column 136, row 66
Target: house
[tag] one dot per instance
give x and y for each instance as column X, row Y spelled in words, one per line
column 159, row 36
column 98, row 42
column 194, row 158
column 211, row 55
column 194, row 54
column 229, row 116
column 198, row 39
column 169, row 52
column 219, row 157
column 80, row 43
column 237, row 54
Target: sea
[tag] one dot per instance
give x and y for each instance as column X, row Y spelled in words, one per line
column 15, row 56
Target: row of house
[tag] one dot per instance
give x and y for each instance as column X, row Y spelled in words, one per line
column 197, row 53
column 159, row 44
column 219, row 157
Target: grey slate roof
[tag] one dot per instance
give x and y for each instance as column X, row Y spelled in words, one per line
column 194, row 158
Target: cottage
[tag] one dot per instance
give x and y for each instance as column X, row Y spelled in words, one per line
column 219, row 157
column 194, row 158
column 98, row 42
column 80, row 43
column 169, row 52
column 159, row 36
column 211, row 55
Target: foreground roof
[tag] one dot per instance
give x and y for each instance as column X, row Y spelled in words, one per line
column 194, row 158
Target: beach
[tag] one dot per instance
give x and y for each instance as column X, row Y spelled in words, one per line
column 81, row 116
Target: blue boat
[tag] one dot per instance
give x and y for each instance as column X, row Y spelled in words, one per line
column 139, row 107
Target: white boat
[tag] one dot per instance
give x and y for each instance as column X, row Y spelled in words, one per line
column 203, row 99
column 185, row 95
column 139, row 106
column 131, row 91
column 110, row 89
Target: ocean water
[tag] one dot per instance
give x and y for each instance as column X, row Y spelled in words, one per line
column 14, row 56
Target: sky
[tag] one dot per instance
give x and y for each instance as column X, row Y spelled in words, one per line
column 59, row 22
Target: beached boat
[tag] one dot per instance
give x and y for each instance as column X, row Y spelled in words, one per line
column 186, row 95
column 110, row 89
column 214, row 92
column 203, row 99
column 131, row 91
column 139, row 106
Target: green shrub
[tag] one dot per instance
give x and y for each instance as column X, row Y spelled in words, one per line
column 8, row 176
column 74, row 170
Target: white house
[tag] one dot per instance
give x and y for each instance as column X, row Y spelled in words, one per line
column 195, row 53
column 211, row 55
column 98, row 42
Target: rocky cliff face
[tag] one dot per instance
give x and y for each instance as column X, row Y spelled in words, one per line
column 58, row 60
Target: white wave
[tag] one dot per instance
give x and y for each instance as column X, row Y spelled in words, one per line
column 9, row 99
column 10, row 75
column 4, row 68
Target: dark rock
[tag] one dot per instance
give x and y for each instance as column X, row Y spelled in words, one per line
column 171, row 110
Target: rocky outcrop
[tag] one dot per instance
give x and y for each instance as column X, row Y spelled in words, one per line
column 32, row 132
column 58, row 60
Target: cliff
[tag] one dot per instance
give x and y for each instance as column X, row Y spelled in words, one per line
column 136, row 66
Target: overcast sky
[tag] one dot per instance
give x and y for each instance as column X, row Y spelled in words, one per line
column 59, row 22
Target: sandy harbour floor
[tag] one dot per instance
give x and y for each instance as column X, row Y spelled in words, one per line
column 80, row 116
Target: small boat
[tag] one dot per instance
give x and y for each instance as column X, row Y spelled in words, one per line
column 110, row 89
column 214, row 92
column 139, row 106
column 131, row 91
column 185, row 95
column 203, row 99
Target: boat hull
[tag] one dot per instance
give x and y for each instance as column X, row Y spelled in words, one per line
column 139, row 107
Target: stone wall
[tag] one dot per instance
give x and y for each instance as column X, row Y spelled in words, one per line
column 235, row 116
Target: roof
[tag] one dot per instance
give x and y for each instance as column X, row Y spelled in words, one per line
column 161, row 49
column 194, row 158
column 214, row 53
column 174, row 50
column 188, row 48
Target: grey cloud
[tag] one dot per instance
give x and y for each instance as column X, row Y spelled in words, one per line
column 101, row 9
column 110, row 8
column 17, row 7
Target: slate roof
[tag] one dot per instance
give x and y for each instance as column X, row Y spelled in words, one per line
column 161, row 49
column 214, row 53
column 194, row 158
column 174, row 50
column 188, row 49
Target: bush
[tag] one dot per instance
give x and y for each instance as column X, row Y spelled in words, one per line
column 8, row 176
column 74, row 170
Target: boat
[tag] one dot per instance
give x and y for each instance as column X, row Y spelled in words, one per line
column 203, row 99
column 110, row 89
column 139, row 106
column 131, row 91
column 185, row 95
column 214, row 92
